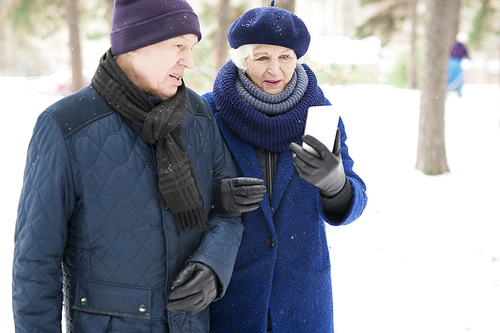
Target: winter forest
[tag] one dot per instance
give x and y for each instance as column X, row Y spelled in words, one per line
column 425, row 255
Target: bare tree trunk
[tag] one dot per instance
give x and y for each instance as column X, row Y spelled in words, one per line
column 349, row 17
column 110, row 6
column 454, row 17
column 412, row 68
column 221, row 44
column 431, row 155
column 74, row 43
column 285, row 4
column 6, row 45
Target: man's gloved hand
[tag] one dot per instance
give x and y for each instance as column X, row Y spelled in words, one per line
column 194, row 288
column 326, row 172
column 240, row 195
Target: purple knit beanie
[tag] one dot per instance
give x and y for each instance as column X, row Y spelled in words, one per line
column 139, row 23
column 272, row 26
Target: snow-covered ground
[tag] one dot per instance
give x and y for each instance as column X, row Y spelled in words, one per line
column 424, row 257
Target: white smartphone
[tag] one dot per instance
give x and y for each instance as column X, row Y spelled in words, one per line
column 322, row 122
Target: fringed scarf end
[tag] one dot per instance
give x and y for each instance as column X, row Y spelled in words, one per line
column 194, row 219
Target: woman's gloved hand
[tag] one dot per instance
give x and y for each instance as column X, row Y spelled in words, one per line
column 194, row 288
column 240, row 195
column 325, row 171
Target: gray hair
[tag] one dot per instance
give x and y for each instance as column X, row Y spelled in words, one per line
column 239, row 55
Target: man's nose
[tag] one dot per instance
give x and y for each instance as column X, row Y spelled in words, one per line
column 187, row 60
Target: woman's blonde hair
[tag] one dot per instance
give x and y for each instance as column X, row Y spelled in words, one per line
column 239, row 55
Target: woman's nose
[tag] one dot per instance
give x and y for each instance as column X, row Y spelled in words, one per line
column 274, row 67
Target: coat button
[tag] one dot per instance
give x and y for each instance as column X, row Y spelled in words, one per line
column 83, row 300
column 270, row 242
column 142, row 308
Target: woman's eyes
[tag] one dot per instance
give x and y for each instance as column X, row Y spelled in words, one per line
column 284, row 56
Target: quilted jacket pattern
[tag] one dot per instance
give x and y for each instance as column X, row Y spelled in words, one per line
column 91, row 223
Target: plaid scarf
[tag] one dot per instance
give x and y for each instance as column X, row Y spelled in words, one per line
column 161, row 126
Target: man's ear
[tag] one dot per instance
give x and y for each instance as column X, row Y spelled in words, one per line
column 123, row 57
column 124, row 60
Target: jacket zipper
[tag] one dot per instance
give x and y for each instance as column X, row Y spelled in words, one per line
column 269, row 184
column 269, row 173
column 163, row 220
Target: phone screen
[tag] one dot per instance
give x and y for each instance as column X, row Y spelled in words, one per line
column 322, row 123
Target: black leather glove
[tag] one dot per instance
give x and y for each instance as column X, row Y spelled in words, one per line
column 194, row 288
column 240, row 195
column 325, row 171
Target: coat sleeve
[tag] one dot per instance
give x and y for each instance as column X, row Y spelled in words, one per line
column 220, row 244
column 40, row 236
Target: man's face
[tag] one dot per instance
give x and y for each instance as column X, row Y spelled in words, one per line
column 158, row 69
column 271, row 68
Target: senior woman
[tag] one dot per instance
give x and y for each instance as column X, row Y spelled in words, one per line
column 281, row 280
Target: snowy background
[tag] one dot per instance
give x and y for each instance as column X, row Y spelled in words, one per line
column 424, row 257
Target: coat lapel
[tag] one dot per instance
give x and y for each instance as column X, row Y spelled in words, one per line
column 245, row 160
column 284, row 174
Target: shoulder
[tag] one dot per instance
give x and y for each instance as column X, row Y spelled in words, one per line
column 197, row 105
column 78, row 110
column 209, row 96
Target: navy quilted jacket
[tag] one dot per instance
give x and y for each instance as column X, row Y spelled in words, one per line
column 91, row 223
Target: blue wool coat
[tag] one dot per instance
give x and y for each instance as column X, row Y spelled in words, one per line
column 283, row 265
column 91, row 220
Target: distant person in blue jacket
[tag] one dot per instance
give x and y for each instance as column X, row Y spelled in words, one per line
column 115, row 219
column 282, row 279
column 458, row 51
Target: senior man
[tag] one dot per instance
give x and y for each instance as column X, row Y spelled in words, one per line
column 114, row 218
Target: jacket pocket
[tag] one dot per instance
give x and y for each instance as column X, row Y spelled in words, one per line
column 89, row 322
column 112, row 299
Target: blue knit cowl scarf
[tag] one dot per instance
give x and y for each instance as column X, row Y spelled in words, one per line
column 273, row 105
column 268, row 129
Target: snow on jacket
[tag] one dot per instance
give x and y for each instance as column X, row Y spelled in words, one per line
column 91, row 222
column 283, row 265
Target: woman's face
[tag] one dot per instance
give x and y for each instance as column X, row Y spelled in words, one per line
column 272, row 67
